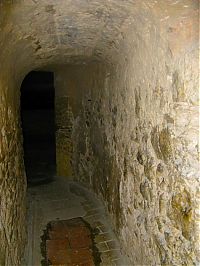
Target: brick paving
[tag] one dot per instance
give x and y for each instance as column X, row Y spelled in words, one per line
column 70, row 242
column 73, row 200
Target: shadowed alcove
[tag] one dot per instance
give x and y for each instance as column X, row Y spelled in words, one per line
column 38, row 125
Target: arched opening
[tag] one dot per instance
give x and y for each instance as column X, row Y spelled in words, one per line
column 37, row 113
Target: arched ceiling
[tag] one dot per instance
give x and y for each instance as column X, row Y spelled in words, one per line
column 65, row 31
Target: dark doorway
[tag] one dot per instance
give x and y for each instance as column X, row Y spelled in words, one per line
column 38, row 124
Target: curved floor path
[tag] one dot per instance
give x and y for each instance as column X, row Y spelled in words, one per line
column 67, row 225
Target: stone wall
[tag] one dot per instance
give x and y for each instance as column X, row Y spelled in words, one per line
column 135, row 141
column 134, row 148
column 69, row 86
column 12, row 180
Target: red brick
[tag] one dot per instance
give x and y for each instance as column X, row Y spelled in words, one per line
column 58, row 257
column 63, row 229
column 69, row 243
column 86, row 263
column 80, row 241
column 77, row 231
column 81, row 255
column 62, row 244
column 58, row 234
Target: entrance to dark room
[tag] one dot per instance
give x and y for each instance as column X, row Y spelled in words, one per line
column 38, row 125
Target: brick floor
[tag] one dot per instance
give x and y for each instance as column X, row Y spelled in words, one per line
column 69, row 243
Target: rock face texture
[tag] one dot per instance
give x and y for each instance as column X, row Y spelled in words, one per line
column 126, row 80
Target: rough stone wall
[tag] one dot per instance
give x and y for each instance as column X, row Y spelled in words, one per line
column 12, row 180
column 68, row 87
column 64, row 119
column 128, row 137
column 135, row 142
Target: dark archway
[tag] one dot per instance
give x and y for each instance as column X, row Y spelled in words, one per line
column 38, row 125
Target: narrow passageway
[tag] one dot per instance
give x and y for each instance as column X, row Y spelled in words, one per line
column 50, row 209
column 38, row 125
column 99, row 109
column 66, row 224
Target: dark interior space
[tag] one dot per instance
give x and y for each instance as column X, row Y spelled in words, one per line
column 38, row 124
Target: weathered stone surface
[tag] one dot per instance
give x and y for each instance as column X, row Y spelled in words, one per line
column 12, row 183
column 131, row 73
column 64, row 120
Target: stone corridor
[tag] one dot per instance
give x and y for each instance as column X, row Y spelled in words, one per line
column 64, row 201
column 108, row 141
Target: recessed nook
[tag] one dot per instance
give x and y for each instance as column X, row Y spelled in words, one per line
column 38, row 125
